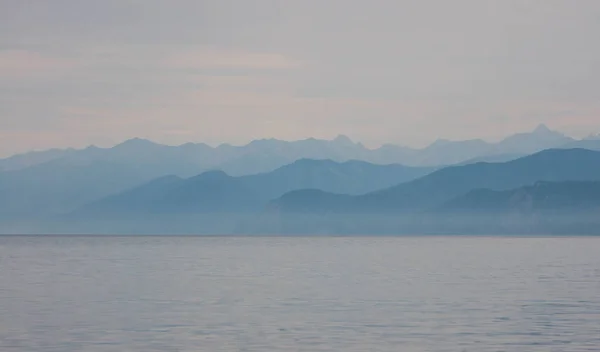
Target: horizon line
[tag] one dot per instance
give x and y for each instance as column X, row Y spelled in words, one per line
column 540, row 127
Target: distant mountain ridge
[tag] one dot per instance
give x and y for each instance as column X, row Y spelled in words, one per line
column 215, row 191
column 555, row 191
column 336, row 186
column 61, row 186
column 268, row 154
column 443, row 185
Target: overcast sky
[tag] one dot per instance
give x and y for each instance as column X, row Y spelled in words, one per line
column 81, row 72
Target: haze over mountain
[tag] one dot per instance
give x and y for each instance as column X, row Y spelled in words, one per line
column 54, row 188
column 268, row 154
column 588, row 143
column 450, row 201
column 21, row 161
column 527, row 143
column 215, row 191
column 440, row 101
column 58, row 186
column 570, row 196
column 132, row 178
column 443, row 185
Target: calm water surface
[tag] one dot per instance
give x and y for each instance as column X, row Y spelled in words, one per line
column 299, row 294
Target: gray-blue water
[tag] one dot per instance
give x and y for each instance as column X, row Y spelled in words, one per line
column 299, row 294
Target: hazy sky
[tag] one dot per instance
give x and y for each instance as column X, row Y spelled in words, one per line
column 79, row 72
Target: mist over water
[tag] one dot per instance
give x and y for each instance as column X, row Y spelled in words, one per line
column 299, row 294
column 179, row 178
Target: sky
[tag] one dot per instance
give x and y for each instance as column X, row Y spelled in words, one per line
column 75, row 73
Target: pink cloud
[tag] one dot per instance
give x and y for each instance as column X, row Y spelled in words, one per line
column 21, row 63
column 232, row 59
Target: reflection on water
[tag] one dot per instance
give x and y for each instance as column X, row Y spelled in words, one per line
column 299, row 294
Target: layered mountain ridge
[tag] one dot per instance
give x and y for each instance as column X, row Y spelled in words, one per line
column 269, row 154
column 310, row 186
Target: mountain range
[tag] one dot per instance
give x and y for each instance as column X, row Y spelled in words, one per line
column 310, row 186
column 215, row 191
column 454, row 200
column 441, row 186
column 269, row 154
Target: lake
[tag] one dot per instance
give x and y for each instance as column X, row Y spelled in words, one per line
column 299, row 294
